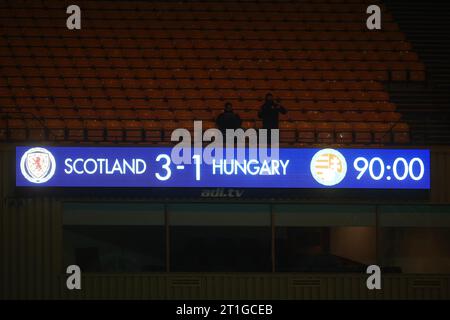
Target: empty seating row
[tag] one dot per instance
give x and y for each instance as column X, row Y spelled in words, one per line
column 255, row 74
column 181, row 93
column 36, row 84
column 290, row 25
column 213, row 64
column 74, row 106
column 344, row 133
column 196, row 15
column 135, row 54
column 127, row 35
column 205, row 114
column 277, row 44
column 251, row 6
column 155, row 131
column 196, row 9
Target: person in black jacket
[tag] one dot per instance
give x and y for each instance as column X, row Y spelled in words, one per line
column 228, row 119
column 269, row 112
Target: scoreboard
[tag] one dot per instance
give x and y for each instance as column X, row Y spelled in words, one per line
column 155, row 167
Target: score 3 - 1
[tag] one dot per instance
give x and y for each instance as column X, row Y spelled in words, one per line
column 167, row 174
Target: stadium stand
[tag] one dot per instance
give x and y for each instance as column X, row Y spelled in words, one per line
column 137, row 70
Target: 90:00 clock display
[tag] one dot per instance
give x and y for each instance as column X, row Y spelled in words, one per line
column 401, row 168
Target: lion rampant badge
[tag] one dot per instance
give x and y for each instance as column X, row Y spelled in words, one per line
column 37, row 165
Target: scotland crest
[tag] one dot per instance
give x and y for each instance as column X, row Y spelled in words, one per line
column 37, row 165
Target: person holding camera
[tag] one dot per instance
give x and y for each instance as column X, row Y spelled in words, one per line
column 270, row 111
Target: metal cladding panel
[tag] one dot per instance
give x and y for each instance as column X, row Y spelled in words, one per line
column 440, row 175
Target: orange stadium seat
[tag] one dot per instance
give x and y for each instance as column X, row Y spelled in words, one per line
column 401, row 133
column 95, row 130
column 382, row 132
column 288, row 132
column 152, row 131
column 56, row 129
column 17, row 129
column 325, row 132
column 168, row 127
column 75, row 130
column 133, row 130
column 344, row 133
column 36, row 130
column 114, row 130
column 306, row 132
column 362, row 132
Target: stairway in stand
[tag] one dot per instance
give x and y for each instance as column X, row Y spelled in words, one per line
column 426, row 106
